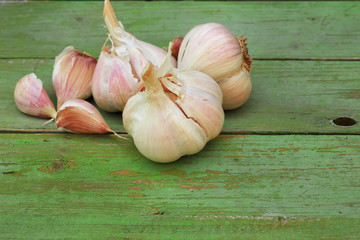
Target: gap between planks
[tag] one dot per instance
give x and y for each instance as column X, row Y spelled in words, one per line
column 46, row 131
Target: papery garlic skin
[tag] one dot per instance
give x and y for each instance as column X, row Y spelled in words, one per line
column 128, row 46
column 176, row 115
column 176, row 46
column 79, row 116
column 211, row 48
column 72, row 75
column 113, row 82
column 31, row 98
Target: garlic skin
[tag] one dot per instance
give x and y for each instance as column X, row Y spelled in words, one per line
column 113, row 81
column 79, row 116
column 72, row 75
column 130, row 49
column 176, row 46
column 211, row 48
column 31, row 98
column 174, row 115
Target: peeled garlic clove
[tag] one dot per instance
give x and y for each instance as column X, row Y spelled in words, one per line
column 79, row 116
column 175, row 114
column 211, row 48
column 31, row 98
column 113, row 81
column 72, row 75
column 128, row 47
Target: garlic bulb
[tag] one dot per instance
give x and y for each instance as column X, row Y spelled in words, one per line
column 113, row 81
column 176, row 113
column 31, row 98
column 79, row 116
column 211, row 48
column 72, row 75
column 130, row 50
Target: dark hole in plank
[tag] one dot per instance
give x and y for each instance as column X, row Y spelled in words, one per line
column 344, row 121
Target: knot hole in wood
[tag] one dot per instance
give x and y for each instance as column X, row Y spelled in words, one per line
column 344, row 121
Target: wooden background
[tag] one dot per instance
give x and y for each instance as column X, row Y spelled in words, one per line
column 279, row 169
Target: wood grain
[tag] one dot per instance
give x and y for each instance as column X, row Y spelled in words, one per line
column 91, row 187
column 280, row 30
column 295, row 177
column 288, row 97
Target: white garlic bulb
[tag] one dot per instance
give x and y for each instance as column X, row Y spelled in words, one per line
column 118, row 73
column 176, row 114
column 211, row 48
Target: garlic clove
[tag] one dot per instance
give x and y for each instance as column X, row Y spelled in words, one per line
column 237, row 89
column 126, row 44
column 113, row 81
column 31, row 98
column 211, row 48
column 173, row 114
column 72, row 75
column 79, row 116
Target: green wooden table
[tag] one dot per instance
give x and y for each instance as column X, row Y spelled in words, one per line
column 281, row 169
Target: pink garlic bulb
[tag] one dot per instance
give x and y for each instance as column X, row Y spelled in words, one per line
column 212, row 49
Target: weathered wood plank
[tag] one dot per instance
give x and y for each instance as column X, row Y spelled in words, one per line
column 275, row 29
column 288, row 96
column 91, row 187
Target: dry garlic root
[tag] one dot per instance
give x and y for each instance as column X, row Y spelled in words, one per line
column 211, row 48
column 72, row 75
column 31, row 98
column 176, row 113
column 118, row 72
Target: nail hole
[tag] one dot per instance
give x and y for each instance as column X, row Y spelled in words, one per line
column 344, row 121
